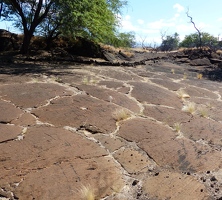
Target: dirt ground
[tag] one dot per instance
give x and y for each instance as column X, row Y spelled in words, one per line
column 92, row 131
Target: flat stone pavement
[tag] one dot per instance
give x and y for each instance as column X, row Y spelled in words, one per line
column 117, row 133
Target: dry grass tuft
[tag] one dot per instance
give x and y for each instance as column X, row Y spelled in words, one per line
column 87, row 193
column 127, row 51
column 89, row 80
column 190, row 107
column 121, row 114
column 203, row 112
column 185, row 76
column 182, row 94
column 177, row 127
column 199, row 76
column 219, row 51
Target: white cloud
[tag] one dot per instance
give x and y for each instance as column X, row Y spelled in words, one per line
column 140, row 21
column 178, row 7
column 126, row 23
column 184, row 28
column 160, row 24
column 220, row 19
column 176, row 15
column 127, row 17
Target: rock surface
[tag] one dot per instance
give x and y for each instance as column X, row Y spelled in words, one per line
column 121, row 133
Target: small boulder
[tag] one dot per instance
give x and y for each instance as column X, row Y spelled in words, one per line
column 200, row 62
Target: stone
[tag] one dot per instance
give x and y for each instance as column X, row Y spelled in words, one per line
column 200, row 62
column 21, row 96
column 111, row 96
column 174, row 186
column 48, row 159
column 145, row 92
column 9, row 132
column 79, row 111
column 9, row 112
column 133, row 161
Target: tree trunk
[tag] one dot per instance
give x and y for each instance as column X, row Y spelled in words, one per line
column 26, row 42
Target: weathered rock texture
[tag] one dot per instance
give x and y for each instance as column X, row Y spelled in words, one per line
column 121, row 133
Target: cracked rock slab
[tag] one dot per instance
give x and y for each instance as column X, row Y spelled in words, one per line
column 166, row 115
column 166, row 149
column 167, row 83
column 8, row 112
column 31, row 95
column 133, row 161
column 116, row 73
column 48, row 159
column 200, row 92
column 145, row 92
column 66, row 179
column 80, row 111
column 110, row 143
column 26, row 119
column 111, row 96
column 202, row 128
column 9, row 132
column 174, row 186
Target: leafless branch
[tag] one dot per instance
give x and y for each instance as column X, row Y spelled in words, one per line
column 199, row 33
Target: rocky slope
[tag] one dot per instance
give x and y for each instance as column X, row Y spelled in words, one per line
column 150, row 131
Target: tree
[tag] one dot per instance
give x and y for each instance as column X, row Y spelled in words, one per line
column 170, row 42
column 27, row 14
column 199, row 44
column 124, row 40
column 192, row 40
column 94, row 19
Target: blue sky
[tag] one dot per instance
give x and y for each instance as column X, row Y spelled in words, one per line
column 149, row 18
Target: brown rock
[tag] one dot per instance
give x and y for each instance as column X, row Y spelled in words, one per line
column 202, row 128
column 26, row 119
column 9, row 132
column 110, row 143
column 168, row 84
column 116, row 73
column 111, row 96
column 200, row 92
column 31, row 95
column 145, row 92
column 48, row 159
column 133, row 161
column 174, row 186
column 111, row 84
column 167, row 115
column 8, row 112
column 80, row 111
column 200, row 62
column 167, row 149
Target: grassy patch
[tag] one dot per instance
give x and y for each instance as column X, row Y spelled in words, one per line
column 89, row 80
column 199, row 76
column 87, row 193
column 203, row 112
column 177, row 127
column 182, row 94
column 121, row 114
column 190, row 107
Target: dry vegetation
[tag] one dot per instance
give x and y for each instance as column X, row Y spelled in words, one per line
column 121, row 114
column 189, row 107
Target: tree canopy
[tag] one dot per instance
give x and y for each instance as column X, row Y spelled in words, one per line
column 94, row 19
column 170, row 42
column 192, row 40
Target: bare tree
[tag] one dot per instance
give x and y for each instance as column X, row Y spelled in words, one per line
column 198, row 31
